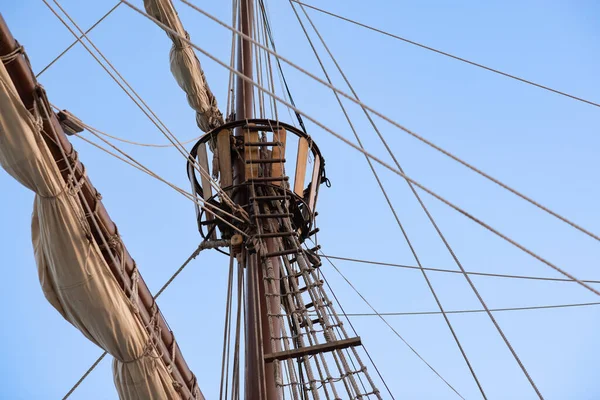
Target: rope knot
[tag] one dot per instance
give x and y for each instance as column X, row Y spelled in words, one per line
column 114, row 241
column 135, row 278
column 10, row 57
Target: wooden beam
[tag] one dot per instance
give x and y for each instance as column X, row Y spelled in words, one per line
column 203, row 161
column 301, row 167
column 278, row 152
column 314, row 185
column 224, row 150
column 312, row 350
column 205, row 179
column 251, row 153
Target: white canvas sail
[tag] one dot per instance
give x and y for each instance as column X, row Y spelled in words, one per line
column 186, row 68
column 73, row 274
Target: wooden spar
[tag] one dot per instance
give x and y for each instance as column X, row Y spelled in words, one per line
column 259, row 379
column 26, row 85
column 301, row 167
column 315, row 349
column 279, row 136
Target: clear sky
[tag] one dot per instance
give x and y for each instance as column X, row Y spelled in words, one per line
column 540, row 143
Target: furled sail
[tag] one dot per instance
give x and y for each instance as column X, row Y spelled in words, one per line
column 186, row 68
column 73, row 274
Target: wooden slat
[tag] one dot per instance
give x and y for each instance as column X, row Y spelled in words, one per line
column 312, row 350
column 251, row 153
column 224, row 149
column 278, row 152
column 315, row 183
column 301, row 167
column 203, row 161
column 205, row 179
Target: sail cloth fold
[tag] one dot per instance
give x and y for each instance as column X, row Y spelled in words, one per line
column 186, row 68
column 73, row 274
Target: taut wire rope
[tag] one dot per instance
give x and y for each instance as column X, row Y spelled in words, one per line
column 354, row 146
column 387, row 264
column 526, row 308
column 136, row 164
column 227, row 332
column 91, row 28
column 473, row 63
column 230, row 93
column 392, row 328
column 360, row 103
column 355, row 333
column 147, row 111
column 391, row 206
column 195, row 253
column 440, row 234
column 144, row 144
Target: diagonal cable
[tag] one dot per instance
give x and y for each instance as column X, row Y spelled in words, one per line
column 390, row 326
column 354, row 146
column 528, row 308
column 51, row 63
column 473, row 63
column 139, row 102
column 153, row 145
column 161, row 290
column 439, row 232
column 390, row 205
column 453, row 271
column 126, row 158
column 356, row 333
column 360, row 103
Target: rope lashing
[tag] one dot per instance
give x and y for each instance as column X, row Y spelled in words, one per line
column 10, row 57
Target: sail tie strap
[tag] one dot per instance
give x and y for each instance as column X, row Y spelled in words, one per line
column 176, row 385
column 152, row 344
column 72, row 184
column 135, row 278
column 170, row 367
column 10, row 57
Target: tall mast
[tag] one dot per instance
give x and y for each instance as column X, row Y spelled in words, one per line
column 294, row 339
column 260, row 378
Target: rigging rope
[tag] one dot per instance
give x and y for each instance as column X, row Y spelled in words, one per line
column 40, row 102
column 393, row 210
column 271, row 86
column 147, row 111
column 136, row 164
column 545, row 307
column 541, row 278
column 284, row 81
column 230, row 93
column 449, row 55
column 358, row 102
column 144, row 144
column 259, row 88
column 202, row 246
column 227, row 332
column 390, row 326
column 439, row 232
column 488, row 312
column 356, row 333
column 51, row 63
column 371, row 156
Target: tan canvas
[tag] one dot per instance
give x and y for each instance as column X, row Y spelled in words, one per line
column 186, row 68
column 73, row 274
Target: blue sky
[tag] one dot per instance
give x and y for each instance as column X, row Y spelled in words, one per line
column 540, row 143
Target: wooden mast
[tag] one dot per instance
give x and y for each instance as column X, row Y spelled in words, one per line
column 259, row 379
